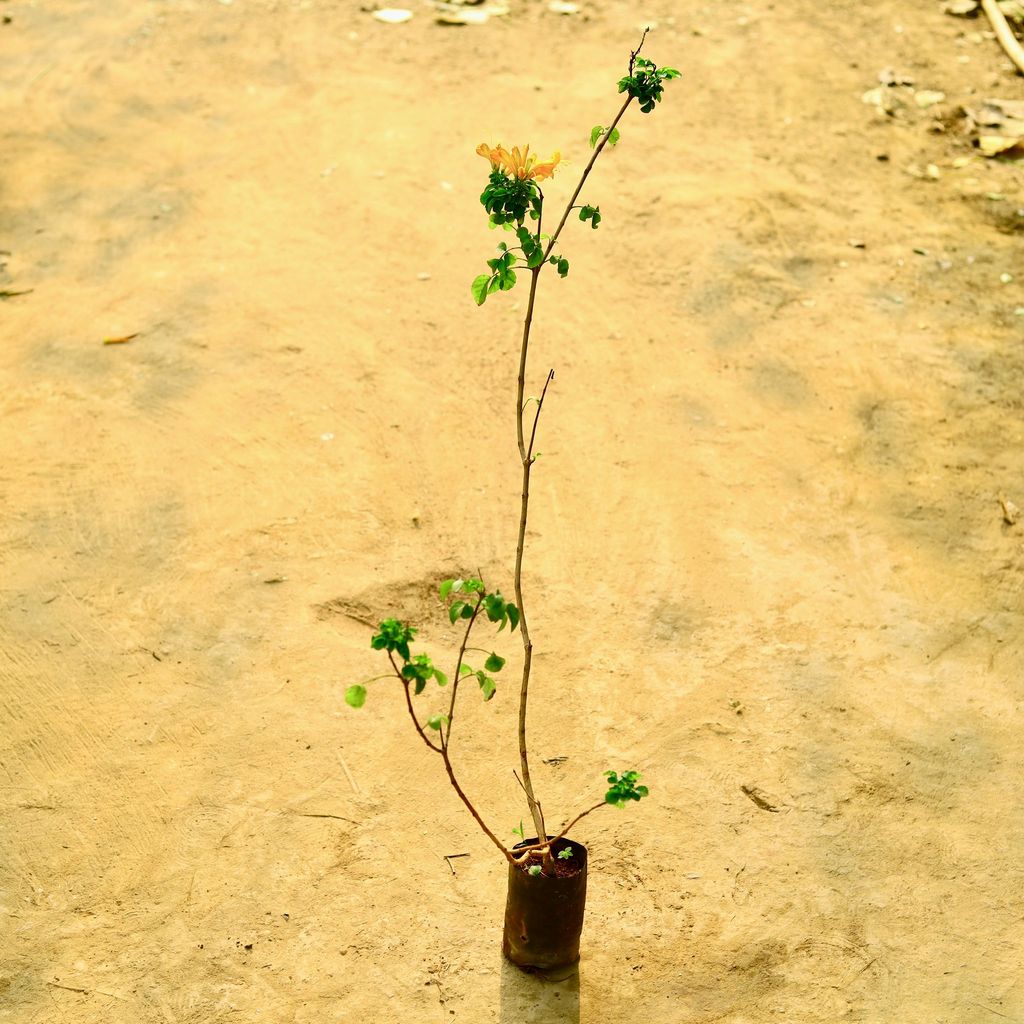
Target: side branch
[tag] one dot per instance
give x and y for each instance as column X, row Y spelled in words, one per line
column 562, row 834
column 583, row 177
column 408, row 703
column 458, row 670
column 540, row 405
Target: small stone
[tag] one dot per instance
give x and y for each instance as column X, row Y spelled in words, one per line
column 925, row 98
column 422, row 276
column 1006, row 278
column 392, row 15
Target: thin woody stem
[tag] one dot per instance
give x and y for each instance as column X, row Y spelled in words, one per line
column 443, row 751
column 562, row 834
column 458, row 670
column 540, row 405
column 408, row 703
column 583, row 177
column 472, row 810
column 527, row 462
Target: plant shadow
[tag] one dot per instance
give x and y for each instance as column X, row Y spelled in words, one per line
column 538, row 999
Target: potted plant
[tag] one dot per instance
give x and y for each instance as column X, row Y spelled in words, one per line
column 547, row 873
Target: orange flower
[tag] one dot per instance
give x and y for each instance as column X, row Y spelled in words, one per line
column 519, row 163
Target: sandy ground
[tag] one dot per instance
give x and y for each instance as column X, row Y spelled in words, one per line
column 766, row 550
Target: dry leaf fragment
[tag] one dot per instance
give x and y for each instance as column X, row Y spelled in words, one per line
column 999, row 124
column 962, row 8
column 760, row 798
column 1011, row 513
column 122, row 340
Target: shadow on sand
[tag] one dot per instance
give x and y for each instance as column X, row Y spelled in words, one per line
column 539, row 998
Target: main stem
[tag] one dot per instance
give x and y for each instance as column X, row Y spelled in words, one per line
column 526, row 456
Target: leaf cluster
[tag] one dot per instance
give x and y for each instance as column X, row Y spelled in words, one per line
column 591, row 213
column 419, row 670
column 501, row 278
column 508, row 199
column 622, row 790
column 644, row 83
column 533, row 251
column 561, row 264
column 495, row 607
column 393, row 636
column 598, row 130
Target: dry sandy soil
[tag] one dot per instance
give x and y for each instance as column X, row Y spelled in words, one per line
column 767, row 547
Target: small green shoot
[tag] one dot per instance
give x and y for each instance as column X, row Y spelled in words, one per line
column 564, row 854
column 622, row 790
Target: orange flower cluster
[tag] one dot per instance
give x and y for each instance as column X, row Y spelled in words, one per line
column 519, row 164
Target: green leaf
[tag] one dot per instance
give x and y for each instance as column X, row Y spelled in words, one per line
column 464, row 670
column 479, row 288
column 596, row 132
column 442, row 679
column 355, row 696
column 513, row 616
column 403, row 650
column 467, row 611
column 436, row 721
column 456, row 610
column 507, row 280
column 563, row 267
column 494, row 663
column 486, row 685
column 614, row 137
column 534, row 869
column 494, row 285
column 445, row 589
column 564, row 854
column 494, row 606
column 519, row 831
